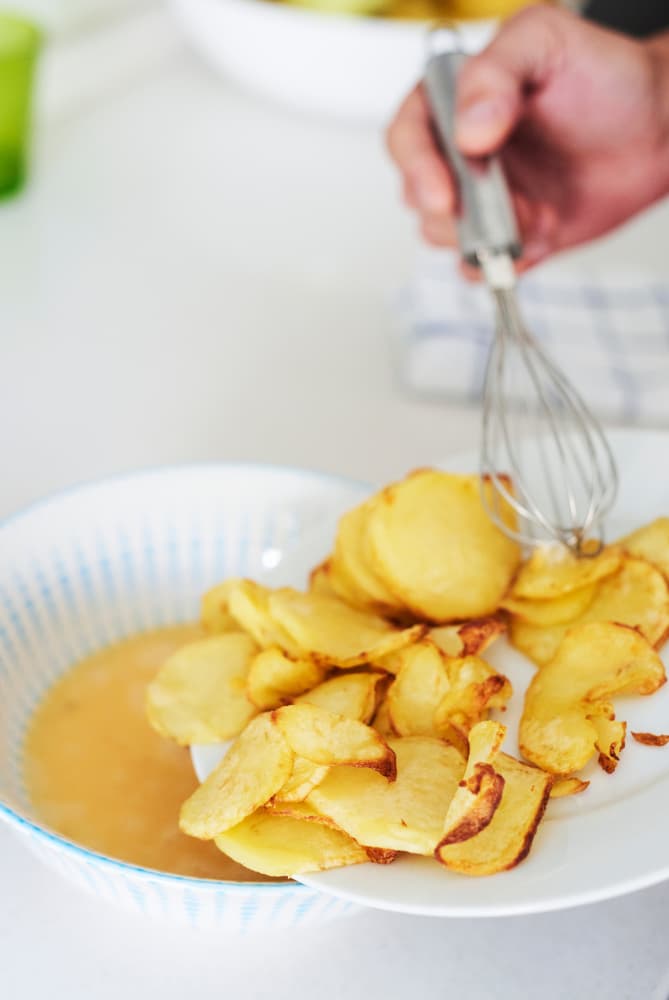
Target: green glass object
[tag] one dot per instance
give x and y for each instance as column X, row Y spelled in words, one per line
column 19, row 45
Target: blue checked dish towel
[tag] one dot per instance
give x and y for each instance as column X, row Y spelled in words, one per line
column 608, row 333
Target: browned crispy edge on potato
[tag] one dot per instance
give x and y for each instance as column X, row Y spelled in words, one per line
column 488, row 786
column 652, row 739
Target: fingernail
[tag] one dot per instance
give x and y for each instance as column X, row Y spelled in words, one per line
column 432, row 199
column 480, row 115
column 479, row 112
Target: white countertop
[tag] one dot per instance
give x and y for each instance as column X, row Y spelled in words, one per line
column 194, row 275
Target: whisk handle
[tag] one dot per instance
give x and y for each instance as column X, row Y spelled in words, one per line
column 486, row 219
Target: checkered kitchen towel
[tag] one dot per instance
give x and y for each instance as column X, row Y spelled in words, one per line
column 608, row 333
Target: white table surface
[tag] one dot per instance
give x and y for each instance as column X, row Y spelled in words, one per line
column 194, row 275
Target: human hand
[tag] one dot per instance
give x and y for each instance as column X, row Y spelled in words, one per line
column 580, row 116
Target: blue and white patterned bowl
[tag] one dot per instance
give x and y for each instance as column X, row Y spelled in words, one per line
column 107, row 560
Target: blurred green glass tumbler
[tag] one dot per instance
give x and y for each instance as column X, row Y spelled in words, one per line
column 19, row 46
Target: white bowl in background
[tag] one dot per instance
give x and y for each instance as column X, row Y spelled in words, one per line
column 90, row 566
column 343, row 65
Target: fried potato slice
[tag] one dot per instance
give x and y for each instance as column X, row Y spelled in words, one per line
column 652, row 739
column 650, row 542
column 302, row 810
column 332, row 632
column 553, row 571
column 199, row 694
column 480, row 790
column 475, row 688
column 595, row 661
column 304, row 776
column 299, row 810
column 435, row 547
column 381, row 855
column 419, row 687
column 351, row 694
column 433, row 692
column 636, row 595
column 610, row 741
column 508, row 837
column 214, row 613
column 248, row 603
column 275, row 678
column 404, row 815
column 325, row 738
column 468, row 638
column 382, row 721
column 320, row 580
column 555, row 611
column 351, row 567
column 253, row 770
column 568, row 786
column 284, row 845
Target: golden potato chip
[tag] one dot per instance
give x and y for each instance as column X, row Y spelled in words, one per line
column 403, row 815
column 610, row 740
column 326, row 738
column 275, row 677
column 199, row 694
column 380, row 855
column 467, row 638
column 248, row 603
column 320, row 580
column 332, row 632
column 298, row 810
column 506, row 840
column 350, row 564
column 446, row 638
column 433, row 544
column 282, row 845
column 214, row 614
column 419, row 687
column 594, row 662
column 433, row 692
column 382, row 721
column 479, row 633
column 651, row 542
column 475, row 688
column 304, row 776
column 567, row 786
column 651, row 739
column 350, row 694
column 342, row 587
column 636, row 595
column 480, row 790
column 253, row 770
column 302, row 810
column 553, row 571
column 566, row 608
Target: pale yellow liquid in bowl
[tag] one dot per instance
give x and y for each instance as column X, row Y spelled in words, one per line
column 98, row 774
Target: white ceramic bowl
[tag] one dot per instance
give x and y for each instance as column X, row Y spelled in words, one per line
column 107, row 560
column 348, row 66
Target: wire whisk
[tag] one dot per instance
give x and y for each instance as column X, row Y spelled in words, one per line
column 544, row 455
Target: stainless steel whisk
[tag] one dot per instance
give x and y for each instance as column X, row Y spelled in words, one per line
column 537, row 429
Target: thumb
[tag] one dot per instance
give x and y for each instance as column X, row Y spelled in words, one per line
column 494, row 87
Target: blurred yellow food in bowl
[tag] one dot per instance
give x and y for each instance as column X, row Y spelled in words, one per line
column 418, row 10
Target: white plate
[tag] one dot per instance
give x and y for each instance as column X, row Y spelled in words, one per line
column 608, row 841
